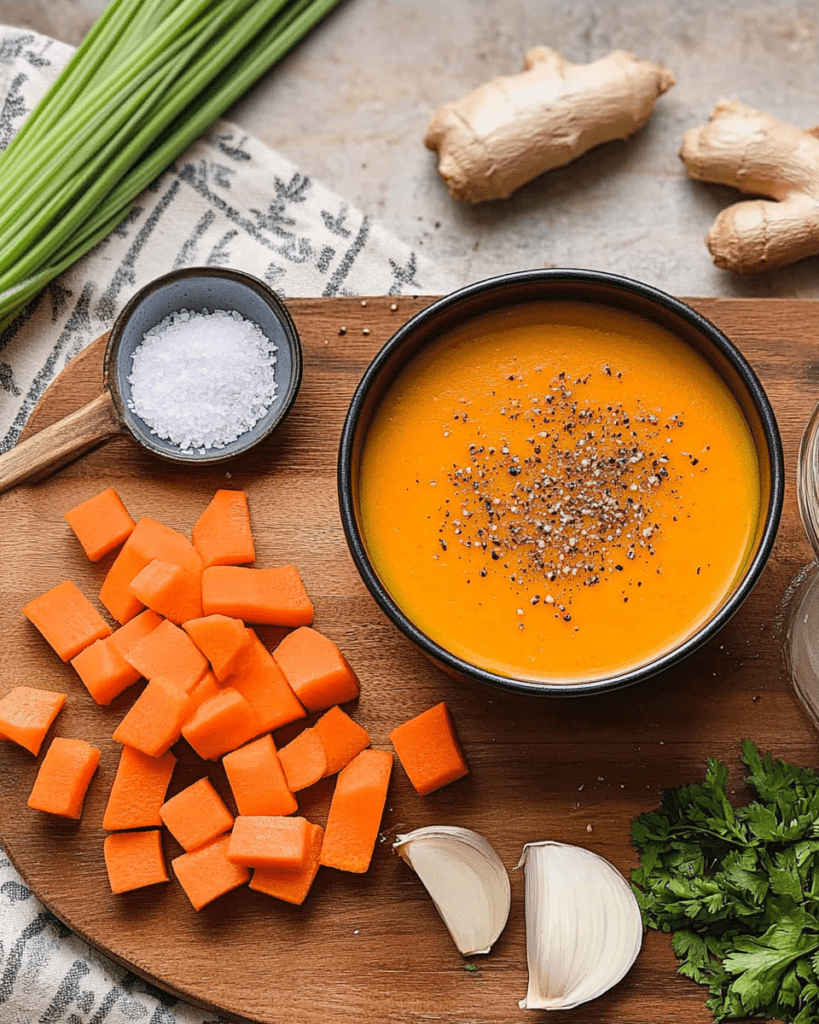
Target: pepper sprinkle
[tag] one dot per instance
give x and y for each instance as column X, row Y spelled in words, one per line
column 574, row 505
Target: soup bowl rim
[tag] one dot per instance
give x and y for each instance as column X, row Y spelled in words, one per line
column 348, row 483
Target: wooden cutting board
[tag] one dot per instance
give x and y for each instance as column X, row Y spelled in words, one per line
column 372, row 947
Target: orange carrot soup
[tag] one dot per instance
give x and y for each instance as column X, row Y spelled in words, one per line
column 561, row 493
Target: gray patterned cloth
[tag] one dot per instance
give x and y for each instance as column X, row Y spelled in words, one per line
column 228, row 201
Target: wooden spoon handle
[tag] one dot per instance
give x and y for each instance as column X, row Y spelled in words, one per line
column 61, row 443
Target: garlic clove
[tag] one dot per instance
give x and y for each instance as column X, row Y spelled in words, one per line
column 583, row 925
column 466, row 879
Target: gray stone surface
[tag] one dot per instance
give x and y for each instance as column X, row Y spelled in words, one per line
column 351, row 105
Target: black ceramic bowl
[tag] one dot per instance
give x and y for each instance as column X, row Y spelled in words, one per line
column 598, row 289
column 196, row 289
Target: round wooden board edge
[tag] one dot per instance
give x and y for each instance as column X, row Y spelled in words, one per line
column 93, row 354
column 127, row 965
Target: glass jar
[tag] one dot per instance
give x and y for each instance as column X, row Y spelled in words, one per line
column 802, row 621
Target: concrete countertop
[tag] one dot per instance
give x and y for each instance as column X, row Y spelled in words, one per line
column 350, row 106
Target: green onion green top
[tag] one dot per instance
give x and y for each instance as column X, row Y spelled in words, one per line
column 147, row 81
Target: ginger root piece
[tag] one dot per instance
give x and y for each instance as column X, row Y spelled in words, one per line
column 507, row 132
column 756, row 153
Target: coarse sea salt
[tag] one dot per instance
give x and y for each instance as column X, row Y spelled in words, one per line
column 201, row 380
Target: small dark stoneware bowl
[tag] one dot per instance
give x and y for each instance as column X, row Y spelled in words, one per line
column 578, row 286
column 198, row 288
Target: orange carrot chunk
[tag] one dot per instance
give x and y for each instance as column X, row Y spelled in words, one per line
column 355, row 812
column 428, row 748
column 226, row 642
column 64, row 776
column 196, row 815
column 169, row 590
column 124, row 638
column 26, row 714
column 257, row 779
column 221, row 724
column 262, row 682
column 292, row 886
column 274, row 597
column 316, row 669
column 102, row 667
column 138, row 791
column 104, row 671
column 206, row 873
column 101, row 523
column 207, row 687
column 168, row 652
column 148, row 540
column 222, row 534
column 67, row 619
column 114, row 592
column 154, row 722
column 271, row 842
column 304, row 760
column 134, row 860
column 341, row 737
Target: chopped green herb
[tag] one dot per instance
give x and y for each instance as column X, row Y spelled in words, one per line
column 472, row 968
column 739, row 887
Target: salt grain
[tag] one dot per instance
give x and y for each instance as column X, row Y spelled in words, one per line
column 201, row 380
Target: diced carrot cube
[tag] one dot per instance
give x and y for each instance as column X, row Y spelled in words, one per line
column 67, row 619
column 154, row 722
column 64, row 777
column 114, row 592
column 262, row 683
column 136, row 629
column 222, row 534
column 138, row 791
column 101, row 523
column 292, row 886
column 272, row 842
column 148, row 540
column 355, row 812
column 275, row 597
column 206, row 873
column 428, row 748
column 134, row 860
column 102, row 667
column 196, row 815
column 342, row 738
column 207, row 687
column 304, row 760
column 169, row 653
column 221, row 724
column 257, row 779
column 226, row 642
column 104, row 671
column 316, row 669
column 26, row 714
column 169, row 590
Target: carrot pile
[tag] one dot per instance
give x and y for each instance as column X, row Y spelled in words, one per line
column 184, row 612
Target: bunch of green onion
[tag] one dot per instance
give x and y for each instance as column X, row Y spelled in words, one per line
column 147, row 81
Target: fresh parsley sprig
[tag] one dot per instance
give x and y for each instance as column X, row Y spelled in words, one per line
column 739, row 887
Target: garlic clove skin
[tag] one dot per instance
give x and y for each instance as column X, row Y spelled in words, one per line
column 583, row 925
column 466, row 879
